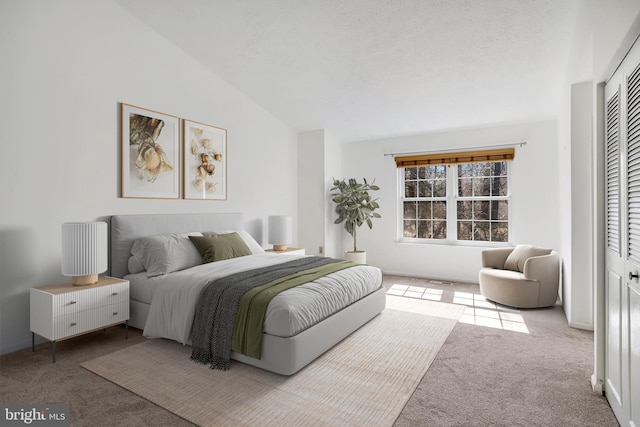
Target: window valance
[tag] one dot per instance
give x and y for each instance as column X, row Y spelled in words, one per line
column 455, row 158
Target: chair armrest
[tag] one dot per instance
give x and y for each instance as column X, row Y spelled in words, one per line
column 495, row 257
column 544, row 269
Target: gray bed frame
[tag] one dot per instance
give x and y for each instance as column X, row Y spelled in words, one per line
column 283, row 356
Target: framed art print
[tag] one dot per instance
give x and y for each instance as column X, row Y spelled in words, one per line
column 150, row 154
column 205, row 161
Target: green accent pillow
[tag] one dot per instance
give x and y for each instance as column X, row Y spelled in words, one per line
column 218, row 247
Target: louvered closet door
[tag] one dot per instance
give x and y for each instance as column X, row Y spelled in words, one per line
column 631, row 296
column 622, row 141
column 615, row 280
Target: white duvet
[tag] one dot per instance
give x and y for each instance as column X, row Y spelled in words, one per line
column 174, row 300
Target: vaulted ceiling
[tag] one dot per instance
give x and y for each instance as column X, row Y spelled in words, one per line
column 368, row 69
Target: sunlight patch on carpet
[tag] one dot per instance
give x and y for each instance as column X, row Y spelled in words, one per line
column 478, row 310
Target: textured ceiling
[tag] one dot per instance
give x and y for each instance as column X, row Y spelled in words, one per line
column 366, row 69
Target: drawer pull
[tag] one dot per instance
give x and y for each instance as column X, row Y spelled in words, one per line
column 73, row 302
column 73, row 324
column 115, row 313
column 114, row 294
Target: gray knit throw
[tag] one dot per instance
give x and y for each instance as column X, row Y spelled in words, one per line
column 212, row 330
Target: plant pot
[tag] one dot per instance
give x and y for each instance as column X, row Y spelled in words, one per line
column 359, row 257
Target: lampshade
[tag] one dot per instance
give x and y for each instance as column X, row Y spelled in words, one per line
column 280, row 232
column 84, row 251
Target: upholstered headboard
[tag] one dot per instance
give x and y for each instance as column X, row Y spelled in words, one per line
column 125, row 229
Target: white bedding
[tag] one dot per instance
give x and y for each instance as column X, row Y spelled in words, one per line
column 174, row 296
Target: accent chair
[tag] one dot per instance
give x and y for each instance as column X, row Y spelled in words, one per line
column 523, row 277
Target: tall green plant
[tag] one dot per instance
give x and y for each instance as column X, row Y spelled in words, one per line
column 354, row 205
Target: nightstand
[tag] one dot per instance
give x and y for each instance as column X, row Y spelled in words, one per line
column 289, row 251
column 63, row 311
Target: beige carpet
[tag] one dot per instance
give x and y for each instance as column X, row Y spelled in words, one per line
column 364, row 380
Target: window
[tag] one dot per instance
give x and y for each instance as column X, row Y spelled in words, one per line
column 425, row 202
column 482, row 206
column 455, row 201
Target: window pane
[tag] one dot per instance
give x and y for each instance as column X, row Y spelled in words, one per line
column 465, row 170
column 500, row 210
column 424, row 210
column 465, row 209
column 499, row 169
column 425, row 188
column 410, row 173
column 481, row 187
column 481, row 210
column 439, row 229
column 465, row 188
column 409, row 210
column 440, row 171
column 440, row 188
column 439, row 210
column 499, row 232
column 464, row 230
column 423, row 172
column 410, row 189
column 482, row 169
column 499, row 186
column 481, row 231
column 409, row 229
column 424, row 229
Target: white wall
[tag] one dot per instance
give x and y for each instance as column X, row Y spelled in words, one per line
column 319, row 161
column 332, row 169
column 66, row 67
column 534, row 188
column 578, row 303
column 311, row 197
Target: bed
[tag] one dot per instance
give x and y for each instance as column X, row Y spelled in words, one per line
column 173, row 291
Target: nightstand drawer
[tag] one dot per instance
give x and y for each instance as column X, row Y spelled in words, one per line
column 87, row 299
column 77, row 323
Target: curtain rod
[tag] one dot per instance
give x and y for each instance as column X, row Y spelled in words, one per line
column 515, row 144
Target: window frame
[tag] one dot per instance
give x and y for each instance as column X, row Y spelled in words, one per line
column 452, row 198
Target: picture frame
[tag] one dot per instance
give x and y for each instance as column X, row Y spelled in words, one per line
column 205, row 161
column 150, row 150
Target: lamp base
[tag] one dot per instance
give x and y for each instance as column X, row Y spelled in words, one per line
column 84, row 280
column 280, row 248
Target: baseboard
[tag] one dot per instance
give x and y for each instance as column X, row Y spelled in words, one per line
column 596, row 385
column 426, row 277
column 583, row 326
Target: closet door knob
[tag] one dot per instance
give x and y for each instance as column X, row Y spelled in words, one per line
column 633, row 275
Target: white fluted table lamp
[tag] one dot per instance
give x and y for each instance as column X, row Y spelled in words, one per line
column 84, row 251
column 280, row 232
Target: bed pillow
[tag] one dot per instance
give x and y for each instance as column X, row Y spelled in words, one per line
column 166, row 253
column 516, row 259
column 134, row 265
column 248, row 239
column 218, row 247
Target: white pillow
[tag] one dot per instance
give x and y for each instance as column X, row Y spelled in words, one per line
column 521, row 253
column 166, row 253
column 248, row 239
column 134, row 265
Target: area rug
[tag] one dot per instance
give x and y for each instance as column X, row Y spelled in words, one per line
column 364, row 380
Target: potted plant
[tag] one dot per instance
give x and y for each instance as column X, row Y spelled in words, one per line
column 354, row 207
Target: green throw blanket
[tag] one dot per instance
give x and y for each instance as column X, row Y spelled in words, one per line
column 231, row 310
